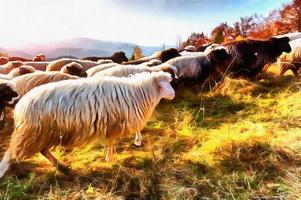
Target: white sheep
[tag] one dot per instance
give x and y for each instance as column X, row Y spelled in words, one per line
column 92, row 71
column 291, row 61
column 153, row 62
column 190, row 48
column 206, row 51
column 127, row 70
column 57, row 65
column 104, row 61
column 98, row 68
column 27, row 82
column 291, row 36
column 199, row 66
column 75, row 112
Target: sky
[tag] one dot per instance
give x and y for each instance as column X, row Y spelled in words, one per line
column 144, row 22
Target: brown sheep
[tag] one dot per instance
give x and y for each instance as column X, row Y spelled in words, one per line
column 5, row 69
column 163, row 56
column 3, row 60
column 75, row 69
column 15, row 58
column 39, row 58
column 117, row 57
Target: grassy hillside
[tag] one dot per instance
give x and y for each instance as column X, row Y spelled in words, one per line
column 239, row 141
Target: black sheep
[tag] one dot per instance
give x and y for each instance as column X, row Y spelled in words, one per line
column 250, row 56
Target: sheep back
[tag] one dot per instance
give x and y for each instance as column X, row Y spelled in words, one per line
column 27, row 82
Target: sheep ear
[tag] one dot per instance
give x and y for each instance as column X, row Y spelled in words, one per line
column 220, row 54
column 163, row 83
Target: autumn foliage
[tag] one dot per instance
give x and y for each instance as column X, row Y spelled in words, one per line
column 278, row 22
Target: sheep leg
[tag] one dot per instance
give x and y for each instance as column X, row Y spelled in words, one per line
column 283, row 70
column 138, row 139
column 109, row 156
column 295, row 71
column 62, row 168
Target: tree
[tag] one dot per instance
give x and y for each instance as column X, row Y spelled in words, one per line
column 290, row 18
column 218, row 33
column 137, row 53
column 4, row 54
column 196, row 39
column 278, row 22
column 267, row 27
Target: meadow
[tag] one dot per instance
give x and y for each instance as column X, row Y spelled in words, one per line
column 240, row 140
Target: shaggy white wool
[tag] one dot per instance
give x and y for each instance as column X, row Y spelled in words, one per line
column 74, row 112
column 127, row 70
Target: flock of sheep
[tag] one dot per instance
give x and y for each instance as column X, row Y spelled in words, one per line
column 71, row 102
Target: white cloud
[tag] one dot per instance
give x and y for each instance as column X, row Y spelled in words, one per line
column 36, row 21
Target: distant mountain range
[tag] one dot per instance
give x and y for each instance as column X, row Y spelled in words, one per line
column 79, row 47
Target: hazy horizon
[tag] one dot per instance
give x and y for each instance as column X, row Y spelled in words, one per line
column 149, row 23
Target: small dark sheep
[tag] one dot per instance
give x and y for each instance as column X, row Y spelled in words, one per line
column 117, row 57
column 74, row 69
column 163, row 56
column 7, row 96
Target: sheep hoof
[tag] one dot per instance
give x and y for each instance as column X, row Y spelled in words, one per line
column 137, row 145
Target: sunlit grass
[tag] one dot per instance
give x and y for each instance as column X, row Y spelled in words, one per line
column 239, row 141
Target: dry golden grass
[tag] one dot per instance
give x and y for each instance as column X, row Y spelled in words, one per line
column 239, row 141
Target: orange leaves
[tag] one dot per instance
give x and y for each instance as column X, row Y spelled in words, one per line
column 285, row 20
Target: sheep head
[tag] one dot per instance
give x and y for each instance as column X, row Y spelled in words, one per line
column 163, row 80
column 75, row 69
column 168, row 54
column 7, row 98
column 119, row 57
column 281, row 44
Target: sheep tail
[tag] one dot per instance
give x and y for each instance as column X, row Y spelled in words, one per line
column 4, row 165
